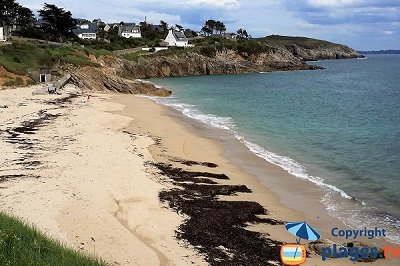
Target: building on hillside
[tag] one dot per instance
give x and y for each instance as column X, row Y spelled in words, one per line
column 86, row 31
column 108, row 27
column 129, row 30
column 230, row 36
column 158, row 28
column 39, row 23
column 177, row 39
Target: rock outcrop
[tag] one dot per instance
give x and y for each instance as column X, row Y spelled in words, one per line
column 120, row 75
column 103, row 80
column 194, row 64
column 322, row 53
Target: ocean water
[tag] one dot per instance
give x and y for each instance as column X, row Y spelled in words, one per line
column 338, row 128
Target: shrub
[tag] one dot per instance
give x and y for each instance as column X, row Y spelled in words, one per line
column 208, row 51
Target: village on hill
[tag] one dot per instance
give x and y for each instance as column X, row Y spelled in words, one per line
column 56, row 24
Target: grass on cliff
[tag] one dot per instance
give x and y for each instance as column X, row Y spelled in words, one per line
column 21, row 56
column 24, row 245
column 210, row 46
column 286, row 41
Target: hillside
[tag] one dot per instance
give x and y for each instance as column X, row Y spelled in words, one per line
column 310, row 49
column 98, row 69
column 20, row 60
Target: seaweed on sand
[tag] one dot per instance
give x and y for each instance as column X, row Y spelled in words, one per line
column 217, row 228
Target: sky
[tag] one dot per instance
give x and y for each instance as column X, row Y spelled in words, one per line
column 360, row 24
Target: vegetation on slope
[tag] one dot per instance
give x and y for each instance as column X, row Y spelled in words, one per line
column 21, row 56
column 285, row 41
column 24, row 245
column 209, row 46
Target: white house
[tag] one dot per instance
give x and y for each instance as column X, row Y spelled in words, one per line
column 87, row 31
column 177, row 38
column 130, row 30
column 2, row 37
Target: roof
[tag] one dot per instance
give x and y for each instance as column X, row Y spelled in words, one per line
column 40, row 22
column 179, row 36
column 156, row 27
column 129, row 28
column 92, row 28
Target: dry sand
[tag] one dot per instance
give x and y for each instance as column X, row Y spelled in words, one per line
column 82, row 176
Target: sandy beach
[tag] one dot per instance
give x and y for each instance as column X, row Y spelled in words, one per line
column 136, row 183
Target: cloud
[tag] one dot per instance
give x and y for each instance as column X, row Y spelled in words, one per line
column 363, row 24
column 389, row 32
column 329, row 12
column 229, row 4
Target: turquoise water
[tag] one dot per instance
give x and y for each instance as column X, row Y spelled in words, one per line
column 338, row 128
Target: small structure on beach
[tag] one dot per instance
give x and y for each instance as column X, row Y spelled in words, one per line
column 44, row 75
column 177, row 39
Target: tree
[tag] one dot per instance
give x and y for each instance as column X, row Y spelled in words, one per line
column 59, row 23
column 24, row 18
column 212, row 27
column 190, row 33
column 242, row 34
column 8, row 12
column 220, row 27
column 206, row 31
column 179, row 27
column 210, row 24
column 13, row 14
column 164, row 26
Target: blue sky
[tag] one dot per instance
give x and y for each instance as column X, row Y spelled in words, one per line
column 361, row 24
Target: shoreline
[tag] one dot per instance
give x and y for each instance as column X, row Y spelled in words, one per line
column 262, row 191
column 332, row 197
column 84, row 178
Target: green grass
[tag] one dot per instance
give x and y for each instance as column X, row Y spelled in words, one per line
column 97, row 52
column 23, row 245
column 24, row 55
column 308, row 43
column 135, row 56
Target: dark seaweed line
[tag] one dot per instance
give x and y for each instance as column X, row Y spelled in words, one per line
column 214, row 227
column 21, row 137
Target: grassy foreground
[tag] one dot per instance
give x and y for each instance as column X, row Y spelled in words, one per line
column 24, row 245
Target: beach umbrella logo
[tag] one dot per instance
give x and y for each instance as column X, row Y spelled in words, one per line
column 303, row 231
column 295, row 254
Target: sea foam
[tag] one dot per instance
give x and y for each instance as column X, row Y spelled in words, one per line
column 351, row 217
column 291, row 166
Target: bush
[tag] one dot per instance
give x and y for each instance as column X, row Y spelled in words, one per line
column 24, row 55
column 251, row 47
column 208, row 51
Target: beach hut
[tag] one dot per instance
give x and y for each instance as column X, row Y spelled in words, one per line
column 44, row 75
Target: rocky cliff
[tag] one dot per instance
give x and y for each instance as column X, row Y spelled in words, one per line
column 104, row 80
column 194, row 64
column 119, row 74
column 309, row 49
column 321, row 53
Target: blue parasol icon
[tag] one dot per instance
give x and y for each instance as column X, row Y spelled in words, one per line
column 303, row 231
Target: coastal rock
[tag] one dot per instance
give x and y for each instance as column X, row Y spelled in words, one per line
column 335, row 52
column 103, row 79
column 194, row 64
